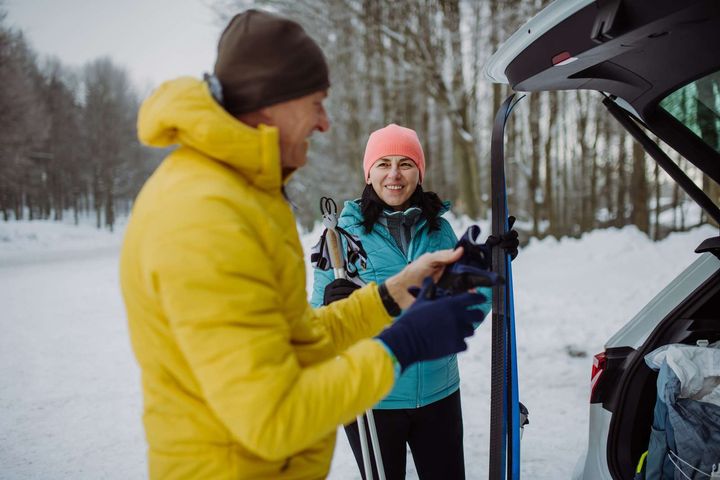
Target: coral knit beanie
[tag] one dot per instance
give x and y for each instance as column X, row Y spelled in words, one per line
column 394, row 140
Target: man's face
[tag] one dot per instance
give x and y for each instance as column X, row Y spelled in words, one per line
column 296, row 121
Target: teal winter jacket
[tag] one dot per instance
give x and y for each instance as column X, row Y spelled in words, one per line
column 424, row 382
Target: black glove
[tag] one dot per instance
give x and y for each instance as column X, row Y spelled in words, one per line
column 507, row 241
column 433, row 327
column 472, row 270
column 338, row 289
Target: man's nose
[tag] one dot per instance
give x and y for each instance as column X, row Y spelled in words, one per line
column 324, row 122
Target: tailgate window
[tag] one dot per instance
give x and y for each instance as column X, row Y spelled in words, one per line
column 697, row 106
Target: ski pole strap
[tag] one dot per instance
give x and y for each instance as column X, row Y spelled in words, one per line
column 354, row 253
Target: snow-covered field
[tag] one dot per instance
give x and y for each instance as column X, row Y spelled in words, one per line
column 70, row 400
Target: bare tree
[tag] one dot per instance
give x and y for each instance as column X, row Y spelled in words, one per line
column 23, row 126
column 639, row 214
column 110, row 107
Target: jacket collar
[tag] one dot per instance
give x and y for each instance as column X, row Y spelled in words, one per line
column 182, row 111
column 352, row 213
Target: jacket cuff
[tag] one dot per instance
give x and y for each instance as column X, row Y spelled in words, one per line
column 397, row 368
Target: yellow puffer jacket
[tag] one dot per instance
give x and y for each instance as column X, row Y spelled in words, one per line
column 241, row 377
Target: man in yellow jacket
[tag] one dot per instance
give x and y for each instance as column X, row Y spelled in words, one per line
column 241, row 378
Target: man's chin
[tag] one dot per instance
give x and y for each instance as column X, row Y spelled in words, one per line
column 287, row 171
column 295, row 156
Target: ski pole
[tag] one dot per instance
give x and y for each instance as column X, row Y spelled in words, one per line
column 375, row 444
column 328, row 208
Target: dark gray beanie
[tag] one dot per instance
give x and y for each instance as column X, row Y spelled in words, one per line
column 265, row 59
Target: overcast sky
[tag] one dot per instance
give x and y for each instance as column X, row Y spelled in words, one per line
column 155, row 40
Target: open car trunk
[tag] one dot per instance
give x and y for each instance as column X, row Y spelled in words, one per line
column 646, row 58
column 630, row 391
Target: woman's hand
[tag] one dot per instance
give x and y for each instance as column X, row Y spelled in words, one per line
column 338, row 289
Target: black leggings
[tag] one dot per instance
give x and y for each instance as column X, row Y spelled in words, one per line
column 434, row 433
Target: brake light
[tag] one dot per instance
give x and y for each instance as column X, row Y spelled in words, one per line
column 562, row 58
column 598, row 368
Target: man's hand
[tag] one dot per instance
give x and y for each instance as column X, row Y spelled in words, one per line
column 433, row 327
column 428, row 265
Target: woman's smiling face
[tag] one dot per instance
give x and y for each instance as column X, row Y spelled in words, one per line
column 394, row 178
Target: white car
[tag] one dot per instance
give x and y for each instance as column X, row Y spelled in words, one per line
column 657, row 64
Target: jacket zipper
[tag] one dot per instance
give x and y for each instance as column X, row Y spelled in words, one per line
column 382, row 230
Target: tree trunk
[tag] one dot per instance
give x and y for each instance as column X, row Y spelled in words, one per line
column 109, row 207
column 639, row 190
column 583, row 186
column 464, row 141
column 591, row 214
column 621, row 208
column 534, row 182
column 549, row 171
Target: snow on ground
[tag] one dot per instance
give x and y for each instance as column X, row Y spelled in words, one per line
column 70, row 400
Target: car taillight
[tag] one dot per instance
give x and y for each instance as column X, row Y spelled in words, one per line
column 598, row 368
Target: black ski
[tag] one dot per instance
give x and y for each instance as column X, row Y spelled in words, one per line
column 503, row 394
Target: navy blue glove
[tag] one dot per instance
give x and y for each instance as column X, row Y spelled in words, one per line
column 337, row 290
column 433, row 327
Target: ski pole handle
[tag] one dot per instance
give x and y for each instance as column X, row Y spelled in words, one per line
column 336, row 259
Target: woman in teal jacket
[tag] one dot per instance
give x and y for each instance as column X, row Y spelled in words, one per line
column 396, row 222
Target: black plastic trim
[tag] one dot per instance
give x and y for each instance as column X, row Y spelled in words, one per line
column 615, row 362
column 711, row 245
column 605, row 27
column 684, row 141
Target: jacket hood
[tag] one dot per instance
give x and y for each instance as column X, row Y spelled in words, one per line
column 352, row 213
column 183, row 112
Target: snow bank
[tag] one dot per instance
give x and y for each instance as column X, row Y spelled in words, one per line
column 70, row 400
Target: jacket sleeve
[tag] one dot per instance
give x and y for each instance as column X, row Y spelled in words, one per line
column 486, row 306
column 320, row 280
column 361, row 315
column 219, row 293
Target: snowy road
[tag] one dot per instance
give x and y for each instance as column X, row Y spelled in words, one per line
column 69, row 395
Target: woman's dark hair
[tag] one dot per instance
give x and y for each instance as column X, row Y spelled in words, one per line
column 372, row 206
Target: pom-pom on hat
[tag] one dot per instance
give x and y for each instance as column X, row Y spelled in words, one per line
column 394, row 140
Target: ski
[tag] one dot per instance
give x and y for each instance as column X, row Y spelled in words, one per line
column 504, row 397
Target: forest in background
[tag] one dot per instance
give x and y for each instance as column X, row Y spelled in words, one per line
column 68, row 143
